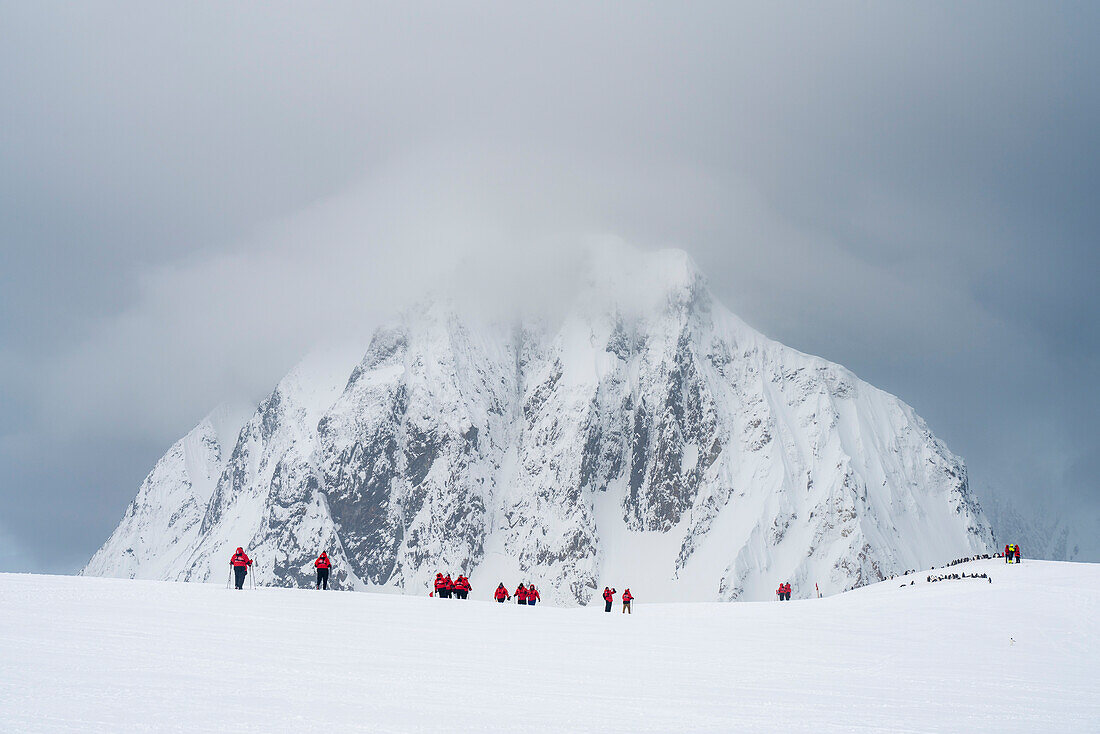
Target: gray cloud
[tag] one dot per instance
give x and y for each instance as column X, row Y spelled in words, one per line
column 192, row 196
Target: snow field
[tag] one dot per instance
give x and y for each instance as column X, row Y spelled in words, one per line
column 105, row 655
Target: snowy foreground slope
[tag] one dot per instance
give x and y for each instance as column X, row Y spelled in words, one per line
column 648, row 433
column 1021, row 654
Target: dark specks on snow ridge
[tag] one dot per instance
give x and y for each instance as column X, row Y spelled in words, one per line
column 639, row 427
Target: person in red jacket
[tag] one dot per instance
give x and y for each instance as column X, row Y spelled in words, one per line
column 462, row 587
column 627, row 598
column 521, row 594
column 440, row 585
column 240, row 563
column 787, row 591
column 608, row 598
column 448, row 586
column 1008, row 554
column 532, row 595
column 322, row 564
column 1016, row 553
column 501, row 593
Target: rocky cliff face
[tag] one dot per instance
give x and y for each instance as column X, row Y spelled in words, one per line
column 649, row 439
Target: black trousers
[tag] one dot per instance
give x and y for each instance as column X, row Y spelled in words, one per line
column 239, row 573
column 322, row 578
column 500, row 601
column 607, row 606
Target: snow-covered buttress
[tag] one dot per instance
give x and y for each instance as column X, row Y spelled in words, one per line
column 647, row 439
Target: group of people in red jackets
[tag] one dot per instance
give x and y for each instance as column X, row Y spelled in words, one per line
column 525, row 595
column 784, row 591
column 609, row 597
column 445, row 586
column 1012, row 553
column 448, row 588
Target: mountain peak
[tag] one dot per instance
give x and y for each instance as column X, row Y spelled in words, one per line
column 623, row 278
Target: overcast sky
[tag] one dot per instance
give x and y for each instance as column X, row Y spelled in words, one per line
column 191, row 195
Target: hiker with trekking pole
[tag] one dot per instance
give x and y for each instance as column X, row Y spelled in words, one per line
column 241, row 564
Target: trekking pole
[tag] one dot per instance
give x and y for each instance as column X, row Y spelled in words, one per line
column 251, row 579
column 229, row 577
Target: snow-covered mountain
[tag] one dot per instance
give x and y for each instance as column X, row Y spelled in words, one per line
column 162, row 525
column 648, row 438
